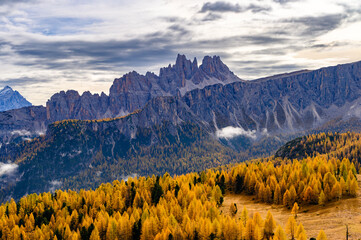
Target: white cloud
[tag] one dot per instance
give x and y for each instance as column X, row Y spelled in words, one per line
column 125, row 178
column 22, row 132
column 231, row 132
column 27, row 27
column 54, row 184
column 7, row 168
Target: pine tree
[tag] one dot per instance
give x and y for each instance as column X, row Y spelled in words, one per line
column 322, row 199
column 300, row 233
column 269, row 226
column 95, row 234
column 287, row 199
column 291, row 227
column 353, row 187
column 244, row 216
column 280, row 234
column 249, row 231
column 321, row 236
column 277, row 198
column 295, row 210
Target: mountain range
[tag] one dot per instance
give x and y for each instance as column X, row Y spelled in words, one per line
column 10, row 99
column 150, row 124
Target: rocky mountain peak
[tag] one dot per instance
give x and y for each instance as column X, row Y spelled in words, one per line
column 133, row 90
column 213, row 66
column 10, row 99
column 5, row 90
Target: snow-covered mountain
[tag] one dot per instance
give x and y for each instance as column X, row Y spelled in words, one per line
column 10, row 99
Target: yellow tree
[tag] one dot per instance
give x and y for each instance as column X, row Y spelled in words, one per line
column 287, row 199
column 112, row 230
column 300, row 233
column 353, row 187
column 249, row 232
column 95, row 234
column 291, row 227
column 277, row 198
column 244, row 216
column 295, row 209
column 321, row 236
column 322, row 199
column 280, row 234
column 269, row 226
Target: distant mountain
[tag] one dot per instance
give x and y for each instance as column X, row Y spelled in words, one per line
column 127, row 94
column 10, row 99
column 133, row 90
column 167, row 131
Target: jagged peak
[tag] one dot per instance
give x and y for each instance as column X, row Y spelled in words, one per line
column 215, row 59
column 6, row 89
column 195, row 62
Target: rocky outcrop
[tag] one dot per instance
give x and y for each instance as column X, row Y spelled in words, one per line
column 20, row 124
column 10, row 99
column 133, row 90
column 71, row 105
column 284, row 103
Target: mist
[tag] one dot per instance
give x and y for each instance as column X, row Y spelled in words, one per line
column 231, row 132
column 7, row 169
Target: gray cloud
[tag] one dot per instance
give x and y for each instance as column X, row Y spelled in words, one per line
column 318, row 25
column 257, row 8
column 11, row 2
column 211, row 17
column 284, row 1
column 220, row 6
column 113, row 54
column 102, row 55
column 22, row 81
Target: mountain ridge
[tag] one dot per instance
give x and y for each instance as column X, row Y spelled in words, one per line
column 277, row 109
column 262, row 115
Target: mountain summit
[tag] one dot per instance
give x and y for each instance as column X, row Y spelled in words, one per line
column 10, row 99
column 133, row 90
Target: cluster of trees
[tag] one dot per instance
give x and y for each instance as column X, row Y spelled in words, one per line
column 310, row 181
column 181, row 207
column 334, row 145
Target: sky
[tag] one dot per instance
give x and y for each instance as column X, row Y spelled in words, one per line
column 51, row 45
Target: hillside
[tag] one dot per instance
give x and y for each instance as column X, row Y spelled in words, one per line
column 195, row 205
column 241, row 120
column 83, row 154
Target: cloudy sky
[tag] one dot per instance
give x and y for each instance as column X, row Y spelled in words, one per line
column 52, row 45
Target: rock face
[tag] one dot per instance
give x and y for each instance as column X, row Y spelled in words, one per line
column 285, row 103
column 19, row 124
column 264, row 109
column 282, row 104
column 10, row 99
column 133, row 90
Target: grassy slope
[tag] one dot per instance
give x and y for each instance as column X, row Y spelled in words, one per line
column 331, row 218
